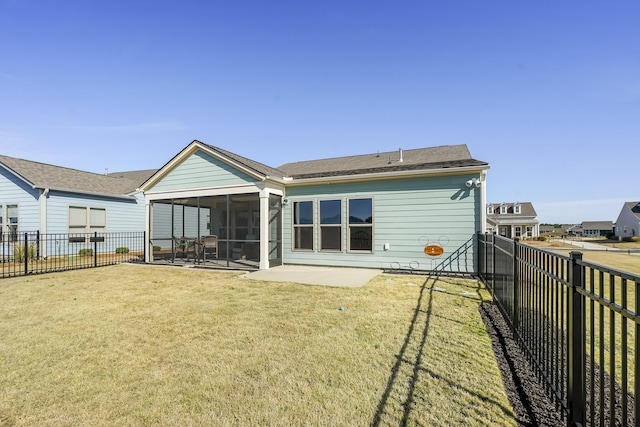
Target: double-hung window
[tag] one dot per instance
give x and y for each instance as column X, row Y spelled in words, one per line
column 303, row 225
column 86, row 220
column 361, row 225
column 12, row 222
column 330, row 225
column 9, row 216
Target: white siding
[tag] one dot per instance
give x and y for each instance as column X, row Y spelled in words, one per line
column 122, row 215
column 627, row 224
column 14, row 191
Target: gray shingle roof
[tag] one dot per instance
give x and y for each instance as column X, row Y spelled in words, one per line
column 42, row 175
column 635, row 208
column 526, row 209
column 447, row 156
column 597, row 225
column 258, row 167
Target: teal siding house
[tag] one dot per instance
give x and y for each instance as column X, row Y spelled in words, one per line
column 404, row 210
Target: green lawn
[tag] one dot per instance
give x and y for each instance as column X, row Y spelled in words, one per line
column 142, row 345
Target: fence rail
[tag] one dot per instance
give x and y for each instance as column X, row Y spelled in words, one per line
column 577, row 322
column 33, row 252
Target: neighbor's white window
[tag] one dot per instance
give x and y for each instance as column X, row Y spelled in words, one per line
column 10, row 214
column 330, row 225
column 529, row 231
column 360, row 225
column 83, row 220
column 503, row 209
column 12, row 221
column 489, row 209
column 518, row 231
column 516, row 209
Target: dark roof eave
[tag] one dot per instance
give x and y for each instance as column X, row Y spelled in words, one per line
column 89, row 193
column 396, row 168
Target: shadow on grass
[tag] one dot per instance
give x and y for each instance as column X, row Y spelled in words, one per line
column 401, row 386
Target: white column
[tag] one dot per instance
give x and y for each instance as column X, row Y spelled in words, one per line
column 147, row 232
column 483, row 201
column 264, row 229
column 44, row 194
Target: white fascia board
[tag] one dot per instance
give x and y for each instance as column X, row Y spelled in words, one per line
column 90, row 193
column 388, row 175
column 189, row 150
column 20, row 177
column 203, row 192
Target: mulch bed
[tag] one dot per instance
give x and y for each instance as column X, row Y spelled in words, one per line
column 531, row 404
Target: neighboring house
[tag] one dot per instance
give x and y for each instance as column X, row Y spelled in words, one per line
column 56, row 200
column 512, row 220
column 596, row 228
column 413, row 209
column 628, row 223
column 575, row 230
column 543, row 228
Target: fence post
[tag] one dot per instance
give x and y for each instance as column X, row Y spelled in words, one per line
column 26, row 253
column 95, row 248
column 576, row 396
column 493, row 263
column 516, row 287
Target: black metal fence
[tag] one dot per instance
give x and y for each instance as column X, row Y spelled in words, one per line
column 34, row 253
column 577, row 322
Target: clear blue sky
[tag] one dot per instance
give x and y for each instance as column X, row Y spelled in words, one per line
column 546, row 92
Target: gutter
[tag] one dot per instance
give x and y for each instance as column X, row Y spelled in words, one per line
column 388, row 175
column 87, row 193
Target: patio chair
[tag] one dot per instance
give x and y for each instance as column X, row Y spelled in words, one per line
column 209, row 246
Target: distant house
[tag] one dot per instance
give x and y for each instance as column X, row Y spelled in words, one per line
column 408, row 209
column 575, row 230
column 628, row 222
column 52, row 199
column 596, row 228
column 512, row 220
column 547, row 229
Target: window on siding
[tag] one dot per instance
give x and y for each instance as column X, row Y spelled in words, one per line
column 303, row 225
column 361, row 225
column 85, row 220
column 12, row 222
column 518, row 231
column 331, row 225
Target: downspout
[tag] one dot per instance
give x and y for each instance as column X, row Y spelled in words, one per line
column 43, row 219
column 483, row 202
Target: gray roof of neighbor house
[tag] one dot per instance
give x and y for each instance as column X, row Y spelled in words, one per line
column 443, row 157
column 526, row 209
column 43, row 176
column 635, row 208
column 597, row 225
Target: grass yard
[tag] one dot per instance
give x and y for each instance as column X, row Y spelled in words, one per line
column 142, row 345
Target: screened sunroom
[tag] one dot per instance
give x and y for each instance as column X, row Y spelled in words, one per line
column 223, row 231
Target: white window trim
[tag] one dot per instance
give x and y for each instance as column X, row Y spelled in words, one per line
column 88, row 226
column 321, row 226
column 294, row 226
